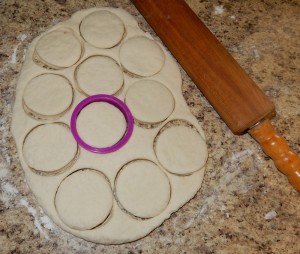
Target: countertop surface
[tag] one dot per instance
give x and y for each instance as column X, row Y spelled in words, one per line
column 245, row 205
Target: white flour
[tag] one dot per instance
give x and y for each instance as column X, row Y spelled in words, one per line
column 218, row 10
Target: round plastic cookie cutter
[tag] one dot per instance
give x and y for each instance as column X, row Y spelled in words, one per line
column 113, row 101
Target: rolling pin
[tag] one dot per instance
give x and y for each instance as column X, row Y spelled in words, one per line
column 232, row 93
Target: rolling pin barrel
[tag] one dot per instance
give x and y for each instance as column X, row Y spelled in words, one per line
column 232, row 93
column 236, row 98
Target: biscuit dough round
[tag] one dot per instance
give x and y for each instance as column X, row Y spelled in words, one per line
column 59, row 49
column 84, row 199
column 102, row 29
column 142, row 56
column 101, row 124
column 181, row 150
column 44, row 150
column 99, row 74
column 143, row 189
column 150, row 101
column 48, row 95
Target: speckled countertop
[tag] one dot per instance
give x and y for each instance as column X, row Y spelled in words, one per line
column 245, row 205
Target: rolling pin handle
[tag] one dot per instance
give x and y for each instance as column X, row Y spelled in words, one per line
column 275, row 146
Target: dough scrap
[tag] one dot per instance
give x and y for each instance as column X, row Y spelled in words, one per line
column 84, row 199
column 44, row 150
column 150, row 101
column 59, row 49
column 48, row 95
column 181, row 150
column 102, row 29
column 101, row 124
column 142, row 56
column 99, row 74
column 143, row 189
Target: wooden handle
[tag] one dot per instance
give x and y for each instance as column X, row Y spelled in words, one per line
column 236, row 98
column 286, row 160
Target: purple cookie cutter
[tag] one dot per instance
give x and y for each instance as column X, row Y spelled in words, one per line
column 113, row 101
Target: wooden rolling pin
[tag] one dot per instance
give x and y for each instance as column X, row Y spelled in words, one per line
column 233, row 94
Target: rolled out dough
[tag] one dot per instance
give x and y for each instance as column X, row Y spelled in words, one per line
column 121, row 196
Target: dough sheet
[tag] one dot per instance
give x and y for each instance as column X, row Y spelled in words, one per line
column 121, row 196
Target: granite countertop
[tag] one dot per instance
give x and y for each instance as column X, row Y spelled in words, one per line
column 245, row 205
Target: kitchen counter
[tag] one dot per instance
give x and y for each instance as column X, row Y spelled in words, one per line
column 245, row 205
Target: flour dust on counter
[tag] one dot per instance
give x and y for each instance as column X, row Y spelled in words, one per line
column 87, row 87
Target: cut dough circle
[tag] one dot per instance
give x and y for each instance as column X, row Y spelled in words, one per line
column 59, row 49
column 99, row 74
column 84, row 199
column 102, row 29
column 142, row 56
column 181, row 150
column 48, row 95
column 135, row 192
column 150, row 101
column 44, row 150
column 101, row 124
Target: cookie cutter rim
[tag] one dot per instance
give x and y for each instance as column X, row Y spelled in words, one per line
column 113, row 101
